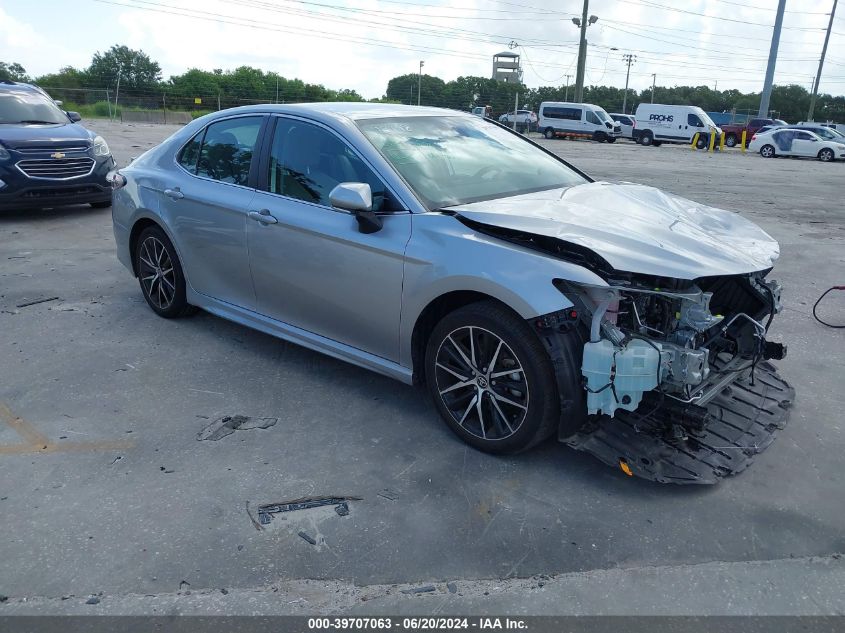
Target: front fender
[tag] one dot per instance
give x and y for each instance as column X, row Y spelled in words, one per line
column 444, row 255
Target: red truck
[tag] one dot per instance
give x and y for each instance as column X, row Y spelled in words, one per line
column 733, row 132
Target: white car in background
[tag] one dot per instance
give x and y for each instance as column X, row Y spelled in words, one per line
column 522, row 118
column 628, row 123
column 789, row 141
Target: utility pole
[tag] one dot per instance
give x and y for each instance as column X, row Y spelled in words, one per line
column 653, row 85
column 419, row 86
column 821, row 64
column 566, row 98
column 763, row 112
column 277, row 89
column 116, row 92
column 630, row 59
column 582, row 53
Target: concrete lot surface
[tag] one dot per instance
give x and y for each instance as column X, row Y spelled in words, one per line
column 125, row 500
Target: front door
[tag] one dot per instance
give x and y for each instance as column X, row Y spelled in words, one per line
column 312, row 268
column 805, row 144
column 207, row 208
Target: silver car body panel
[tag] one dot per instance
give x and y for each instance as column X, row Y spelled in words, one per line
column 637, row 229
column 313, row 279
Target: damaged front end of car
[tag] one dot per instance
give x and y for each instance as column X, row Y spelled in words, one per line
column 676, row 373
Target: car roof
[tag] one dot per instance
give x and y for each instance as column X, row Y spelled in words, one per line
column 347, row 110
column 5, row 84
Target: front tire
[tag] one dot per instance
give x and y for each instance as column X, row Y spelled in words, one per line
column 491, row 379
column 611, row 139
column 826, row 155
column 160, row 274
column 767, row 151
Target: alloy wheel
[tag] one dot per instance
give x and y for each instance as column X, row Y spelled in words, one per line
column 481, row 383
column 825, row 155
column 157, row 273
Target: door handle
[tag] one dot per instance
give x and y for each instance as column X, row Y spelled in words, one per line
column 174, row 194
column 262, row 216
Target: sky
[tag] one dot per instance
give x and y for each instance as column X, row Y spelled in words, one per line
column 361, row 44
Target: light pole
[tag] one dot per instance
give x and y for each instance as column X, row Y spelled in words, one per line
column 821, row 64
column 773, row 58
column 566, row 98
column 630, row 59
column 653, row 84
column 583, row 23
column 419, row 87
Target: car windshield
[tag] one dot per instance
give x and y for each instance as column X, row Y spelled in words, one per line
column 449, row 161
column 22, row 106
column 601, row 114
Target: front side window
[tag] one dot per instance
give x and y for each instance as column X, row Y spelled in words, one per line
column 592, row 118
column 804, row 136
column 451, row 160
column 308, row 161
column 693, row 120
column 227, row 149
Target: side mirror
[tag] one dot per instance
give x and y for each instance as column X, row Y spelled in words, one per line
column 74, row 116
column 357, row 197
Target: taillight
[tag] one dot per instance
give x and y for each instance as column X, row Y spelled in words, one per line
column 753, row 136
column 634, row 123
column 116, row 179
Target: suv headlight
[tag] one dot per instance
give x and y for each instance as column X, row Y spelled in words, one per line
column 4, row 154
column 100, row 148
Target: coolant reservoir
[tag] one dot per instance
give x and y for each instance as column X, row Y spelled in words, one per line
column 631, row 369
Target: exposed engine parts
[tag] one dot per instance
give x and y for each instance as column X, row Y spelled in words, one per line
column 652, row 338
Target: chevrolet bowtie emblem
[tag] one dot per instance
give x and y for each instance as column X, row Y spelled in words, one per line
column 57, row 155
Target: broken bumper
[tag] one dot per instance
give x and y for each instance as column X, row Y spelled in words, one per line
column 740, row 422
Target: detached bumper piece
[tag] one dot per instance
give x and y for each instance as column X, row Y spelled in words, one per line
column 686, row 444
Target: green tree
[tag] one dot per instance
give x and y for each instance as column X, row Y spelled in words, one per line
column 137, row 71
column 13, row 72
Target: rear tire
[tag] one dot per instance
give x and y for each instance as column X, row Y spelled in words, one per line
column 731, row 140
column 484, row 350
column 647, row 138
column 160, row 274
column 549, row 133
column 767, row 151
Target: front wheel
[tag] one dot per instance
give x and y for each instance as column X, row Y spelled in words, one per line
column 767, row 151
column 160, row 274
column 491, row 379
column 826, row 155
column 611, row 139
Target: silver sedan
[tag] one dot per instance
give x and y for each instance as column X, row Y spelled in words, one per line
column 443, row 249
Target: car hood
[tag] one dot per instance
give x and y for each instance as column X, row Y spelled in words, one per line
column 13, row 136
column 635, row 229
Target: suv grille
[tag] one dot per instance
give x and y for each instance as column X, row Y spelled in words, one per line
column 51, row 150
column 56, row 168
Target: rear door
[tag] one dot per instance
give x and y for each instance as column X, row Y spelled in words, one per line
column 206, row 202
column 311, row 266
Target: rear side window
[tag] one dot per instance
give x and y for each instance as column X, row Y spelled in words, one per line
column 189, row 154
column 556, row 112
column 227, row 149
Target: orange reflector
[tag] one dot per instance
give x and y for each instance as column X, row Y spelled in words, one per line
column 625, row 468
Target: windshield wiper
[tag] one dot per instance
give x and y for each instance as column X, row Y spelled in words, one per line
column 35, row 121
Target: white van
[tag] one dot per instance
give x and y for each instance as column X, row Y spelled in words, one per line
column 577, row 119
column 657, row 123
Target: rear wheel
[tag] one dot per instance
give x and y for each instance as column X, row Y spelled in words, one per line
column 730, row 140
column 160, row 274
column 647, row 138
column 826, row 155
column 767, row 151
column 549, row 133
column 491, row 379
